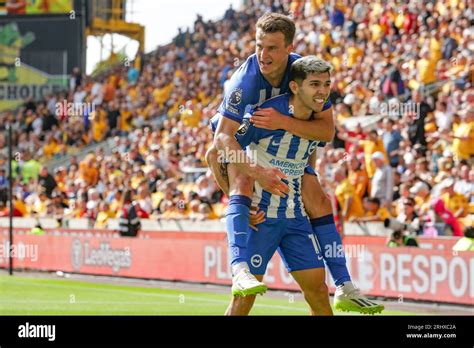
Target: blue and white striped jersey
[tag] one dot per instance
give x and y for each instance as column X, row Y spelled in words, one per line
column 283, row 150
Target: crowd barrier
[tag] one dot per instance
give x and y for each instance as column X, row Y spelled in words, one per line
column 350, row 228
column 432, row 273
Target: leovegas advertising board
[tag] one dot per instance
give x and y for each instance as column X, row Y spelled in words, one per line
column 434, row 275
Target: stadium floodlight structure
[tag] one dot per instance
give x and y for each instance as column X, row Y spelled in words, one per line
column 109, row 17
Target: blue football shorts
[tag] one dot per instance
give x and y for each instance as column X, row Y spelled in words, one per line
column 293, row 238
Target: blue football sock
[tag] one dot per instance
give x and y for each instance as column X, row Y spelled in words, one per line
column 332, row 249
column 237, row 220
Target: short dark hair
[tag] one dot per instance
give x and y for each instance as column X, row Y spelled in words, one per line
column 374, row 200
column 469, row 232
column 276, row 22
column 308, row 65
column 128, row 196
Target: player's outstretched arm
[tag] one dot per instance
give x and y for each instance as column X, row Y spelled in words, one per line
column 320, row 128
column 227, row 145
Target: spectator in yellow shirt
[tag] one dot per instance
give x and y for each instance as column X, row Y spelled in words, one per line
column 125, row 118
column 206, row 212
column 342, row 112
column 162, row 94
column 50, row 146
column 455, row 202
column 421, row 191
column 463, row 137
column 371, row 145
column 116, row 204
column 445, row 165
column 325, row 37
column 191, row 115
column 353, row 53
column 99, row 125
column 435, row 46
column 170, row 210
column 358, row 177
column 426, row 67
column 88, row 171
column 336, row 58
column 40, row 205
column 53, row 147
column 376, row 31
column 349, row 203
column 373, row 211
column 60, row 176
column 194, row 211
column 103, row 216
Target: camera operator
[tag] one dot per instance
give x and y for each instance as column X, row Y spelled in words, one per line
column 406, row 226
column 466, row 243
column 399, row 238
column 129, row 224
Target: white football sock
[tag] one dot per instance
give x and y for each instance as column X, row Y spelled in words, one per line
column 238, row 267
column 347, row 285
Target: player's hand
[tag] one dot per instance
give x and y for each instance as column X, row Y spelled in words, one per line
column 256, row 217
column 267, row 118
column 270, row 180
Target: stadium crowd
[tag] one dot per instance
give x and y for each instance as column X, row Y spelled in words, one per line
column 402, row 95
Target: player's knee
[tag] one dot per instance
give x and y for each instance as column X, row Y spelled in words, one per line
column 243, row 180
column 242, row 185
column 211, row 154
column 322, row 289
column 317, row 205
column 325, row 203
column 318, row 292
column 310, row 206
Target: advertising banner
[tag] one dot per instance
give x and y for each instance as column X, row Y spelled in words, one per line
column 32, row 65
column 406, row 273
column 35, row 7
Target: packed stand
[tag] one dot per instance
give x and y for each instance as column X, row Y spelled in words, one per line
column 411, row 66
column 404, row 69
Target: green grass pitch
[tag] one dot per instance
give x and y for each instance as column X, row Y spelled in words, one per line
column 21, row 295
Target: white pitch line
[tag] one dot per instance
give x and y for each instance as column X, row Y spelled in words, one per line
column 193, row 298
column 29, row 302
